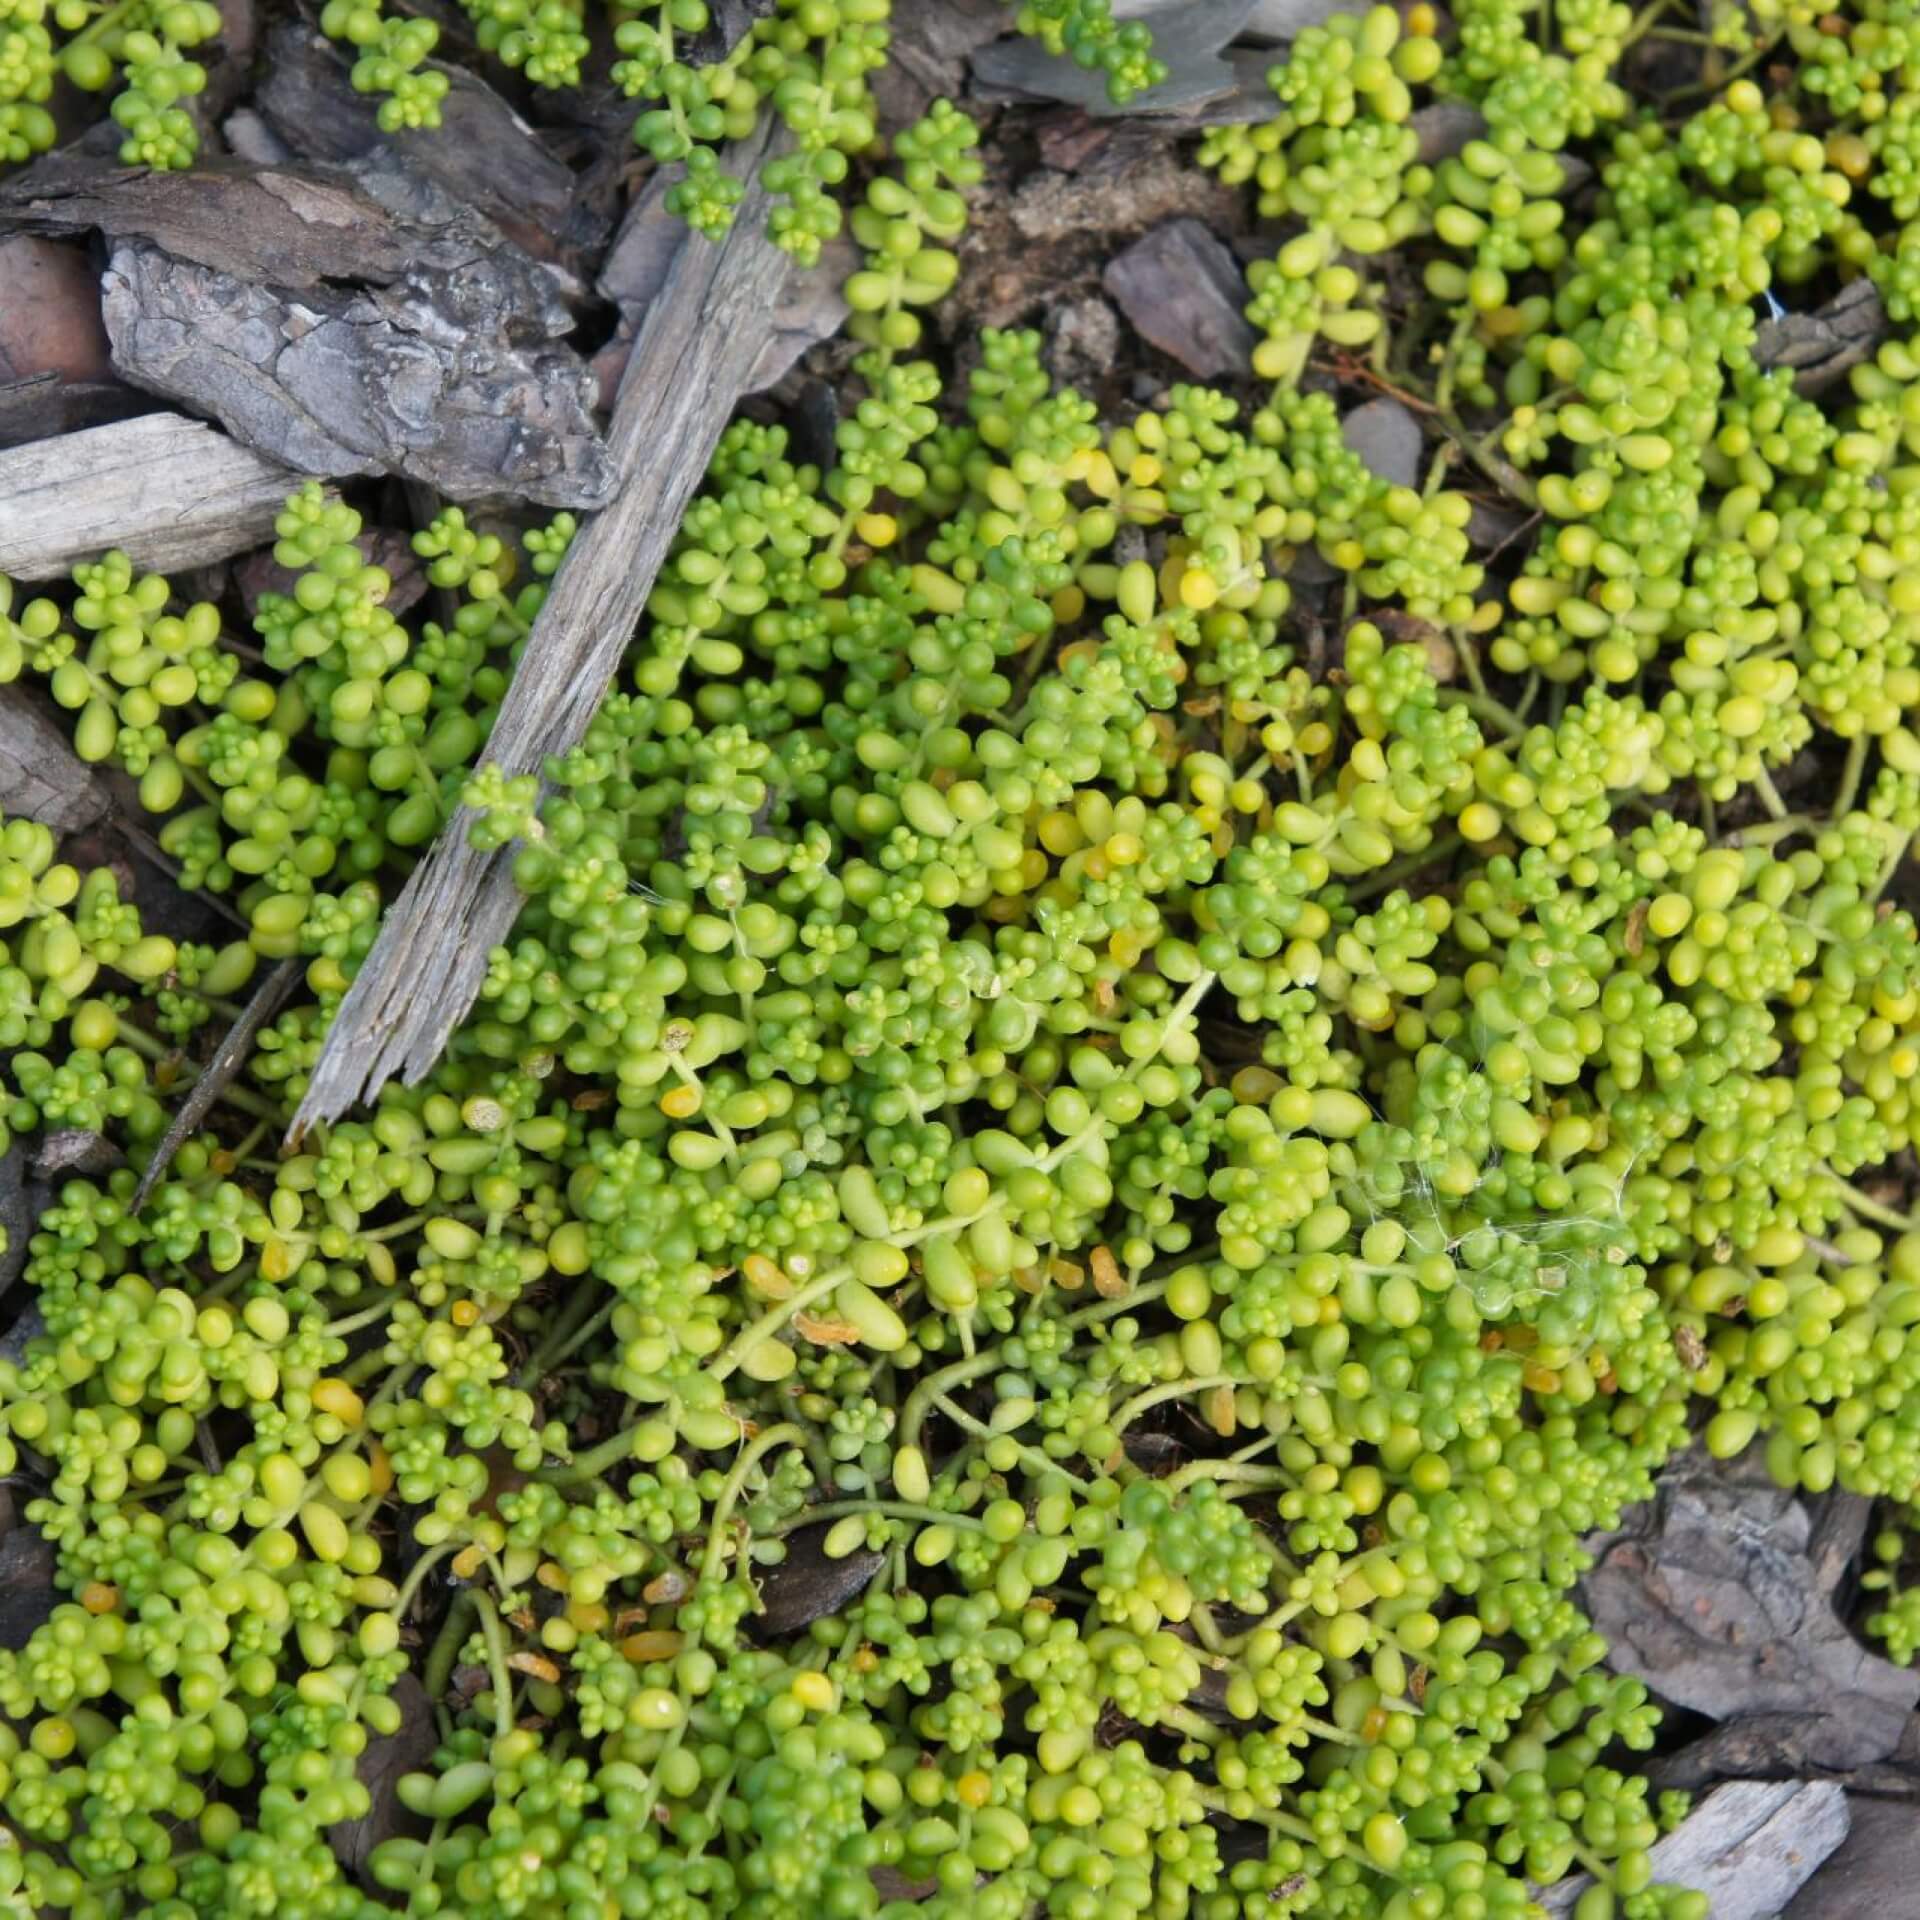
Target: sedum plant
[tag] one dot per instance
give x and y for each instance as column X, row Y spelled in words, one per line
column 92, row 45
column 1061, row 1210
column 806, row 63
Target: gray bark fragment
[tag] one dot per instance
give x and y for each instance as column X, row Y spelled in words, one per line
column 77, row 1150
column 728, row 23
column 1824, row 346
column 346, row 320
column 1445, row 127
column 1874, row 1870
column 428, row 381
column 1285, row 19
column 1388, row 438
column 1718, row 1596
column 1185, row 293
column 927, row 60
column 1188, row 36
column 41, row 777
column 253, row 140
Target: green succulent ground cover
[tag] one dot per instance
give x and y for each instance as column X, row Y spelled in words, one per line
column 805, row 63
column 1200, row 1178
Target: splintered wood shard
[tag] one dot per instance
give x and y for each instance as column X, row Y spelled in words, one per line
column 696, row 351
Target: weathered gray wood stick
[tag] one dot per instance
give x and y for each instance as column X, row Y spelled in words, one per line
column 690, row 366
column 1748, row 1846
column 171, row 492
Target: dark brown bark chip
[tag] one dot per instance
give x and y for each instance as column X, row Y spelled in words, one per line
column 50, row 311
column 46, row 405
column 27, row 1593
column 386, row 1756
column 484, row 153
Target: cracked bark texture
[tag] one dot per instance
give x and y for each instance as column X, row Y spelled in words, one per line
column 343, row 320
column 361, row 383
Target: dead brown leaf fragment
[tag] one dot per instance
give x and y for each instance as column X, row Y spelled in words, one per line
column 826, row 1333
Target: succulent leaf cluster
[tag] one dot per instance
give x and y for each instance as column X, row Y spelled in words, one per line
column 138, row 49
column 806, row 65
